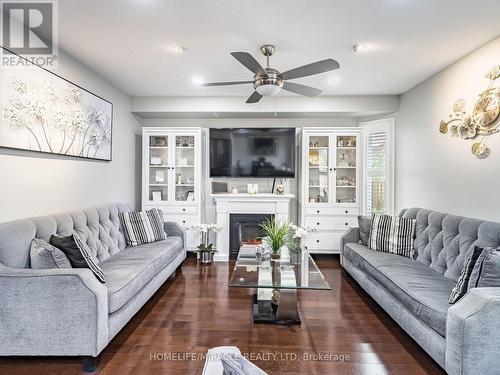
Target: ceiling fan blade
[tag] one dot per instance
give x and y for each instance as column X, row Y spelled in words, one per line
column 254, row 98
column 250, row 63
column 311, row 69
column 301, row 89
column 225, row 83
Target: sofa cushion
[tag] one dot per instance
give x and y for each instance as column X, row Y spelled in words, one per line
column 131, row 269
column 364, row 228
column 486, row 272
column 463, row 281
column 392, row 234
column 423, row 291
column 142, row 227
column 79, row 254
column 44, row 255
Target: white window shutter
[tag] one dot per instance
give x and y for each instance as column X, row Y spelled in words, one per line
column 378, row 182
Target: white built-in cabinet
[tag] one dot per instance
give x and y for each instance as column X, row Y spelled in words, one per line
column 330, row 183
column 171, row 176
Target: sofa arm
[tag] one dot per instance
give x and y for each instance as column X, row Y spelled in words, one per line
column 174, row 229
column 350, row 236
column 52, row 312
column 473, row 333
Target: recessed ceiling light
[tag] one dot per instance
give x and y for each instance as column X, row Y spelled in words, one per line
column 332, row 80
column 176, row 49
column 197, row 80
column 360, row 47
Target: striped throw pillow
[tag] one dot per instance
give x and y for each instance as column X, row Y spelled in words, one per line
column 142, row 227
column 392, row 234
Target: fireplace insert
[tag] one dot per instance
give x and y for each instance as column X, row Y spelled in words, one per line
column 245, row 229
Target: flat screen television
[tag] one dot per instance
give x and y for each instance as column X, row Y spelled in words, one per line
column 252, row 152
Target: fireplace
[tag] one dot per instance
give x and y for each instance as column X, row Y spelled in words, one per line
column 244, row 229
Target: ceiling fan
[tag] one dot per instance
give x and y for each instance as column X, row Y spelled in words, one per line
column 268, row 81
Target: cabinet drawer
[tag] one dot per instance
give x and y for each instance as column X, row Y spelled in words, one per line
column 332, row 211
column 180, row 210
column 329, row 223
column 171, row 209
column 185, row 221
column 329, row 241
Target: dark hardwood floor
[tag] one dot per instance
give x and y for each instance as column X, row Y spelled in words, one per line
column 197, row 310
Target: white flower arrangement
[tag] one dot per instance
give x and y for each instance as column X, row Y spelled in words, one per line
column 205, row 230
column 301, row 232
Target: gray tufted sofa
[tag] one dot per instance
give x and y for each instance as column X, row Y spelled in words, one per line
column 463, row 338
column 68, row 312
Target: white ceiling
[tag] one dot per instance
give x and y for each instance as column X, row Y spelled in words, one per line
column 408, row 40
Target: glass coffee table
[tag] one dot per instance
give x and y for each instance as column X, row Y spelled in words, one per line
column 277, row 282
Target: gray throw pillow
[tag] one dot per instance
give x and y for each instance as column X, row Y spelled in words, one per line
column 44, row 255
column 486, row 272
column 78, row 253
column 364, row 228
column 462, row 286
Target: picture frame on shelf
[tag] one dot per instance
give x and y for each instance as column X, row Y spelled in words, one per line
column 157, row 196
column 190, row 196
column 155, row 160
column 159, row 177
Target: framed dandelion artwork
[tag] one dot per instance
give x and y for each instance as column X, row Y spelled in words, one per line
column 42, row 112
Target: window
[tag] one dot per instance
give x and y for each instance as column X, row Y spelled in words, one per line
column 378, row 173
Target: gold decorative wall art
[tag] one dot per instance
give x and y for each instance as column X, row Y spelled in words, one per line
column 484, row 120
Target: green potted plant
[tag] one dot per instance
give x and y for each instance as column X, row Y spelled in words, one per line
column 276, row 235
column 206, row 249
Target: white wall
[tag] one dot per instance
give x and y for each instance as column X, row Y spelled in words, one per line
column 36, row 184
column 436, row 171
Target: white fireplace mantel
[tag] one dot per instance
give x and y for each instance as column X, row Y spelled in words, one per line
column 227, row 204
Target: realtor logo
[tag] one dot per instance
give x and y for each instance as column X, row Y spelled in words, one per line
column 29, row 30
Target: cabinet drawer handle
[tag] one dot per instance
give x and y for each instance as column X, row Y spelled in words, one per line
column 346, row 223
column 183, row 209
column 183, row 221
column 317, row 223
column 317, row 241
column 346, row 211
column 317, row 211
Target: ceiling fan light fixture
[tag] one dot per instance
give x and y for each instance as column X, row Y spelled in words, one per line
column 268, row 89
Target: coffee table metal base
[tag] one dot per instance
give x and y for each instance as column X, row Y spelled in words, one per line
column 285, row 314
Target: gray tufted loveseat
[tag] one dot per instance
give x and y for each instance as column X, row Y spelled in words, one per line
column 462, row 338
column 68, row 312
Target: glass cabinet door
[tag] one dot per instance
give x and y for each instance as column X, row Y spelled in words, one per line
column 185, row 168
column 318, row 166
column 158, row 168
column 345, row 178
